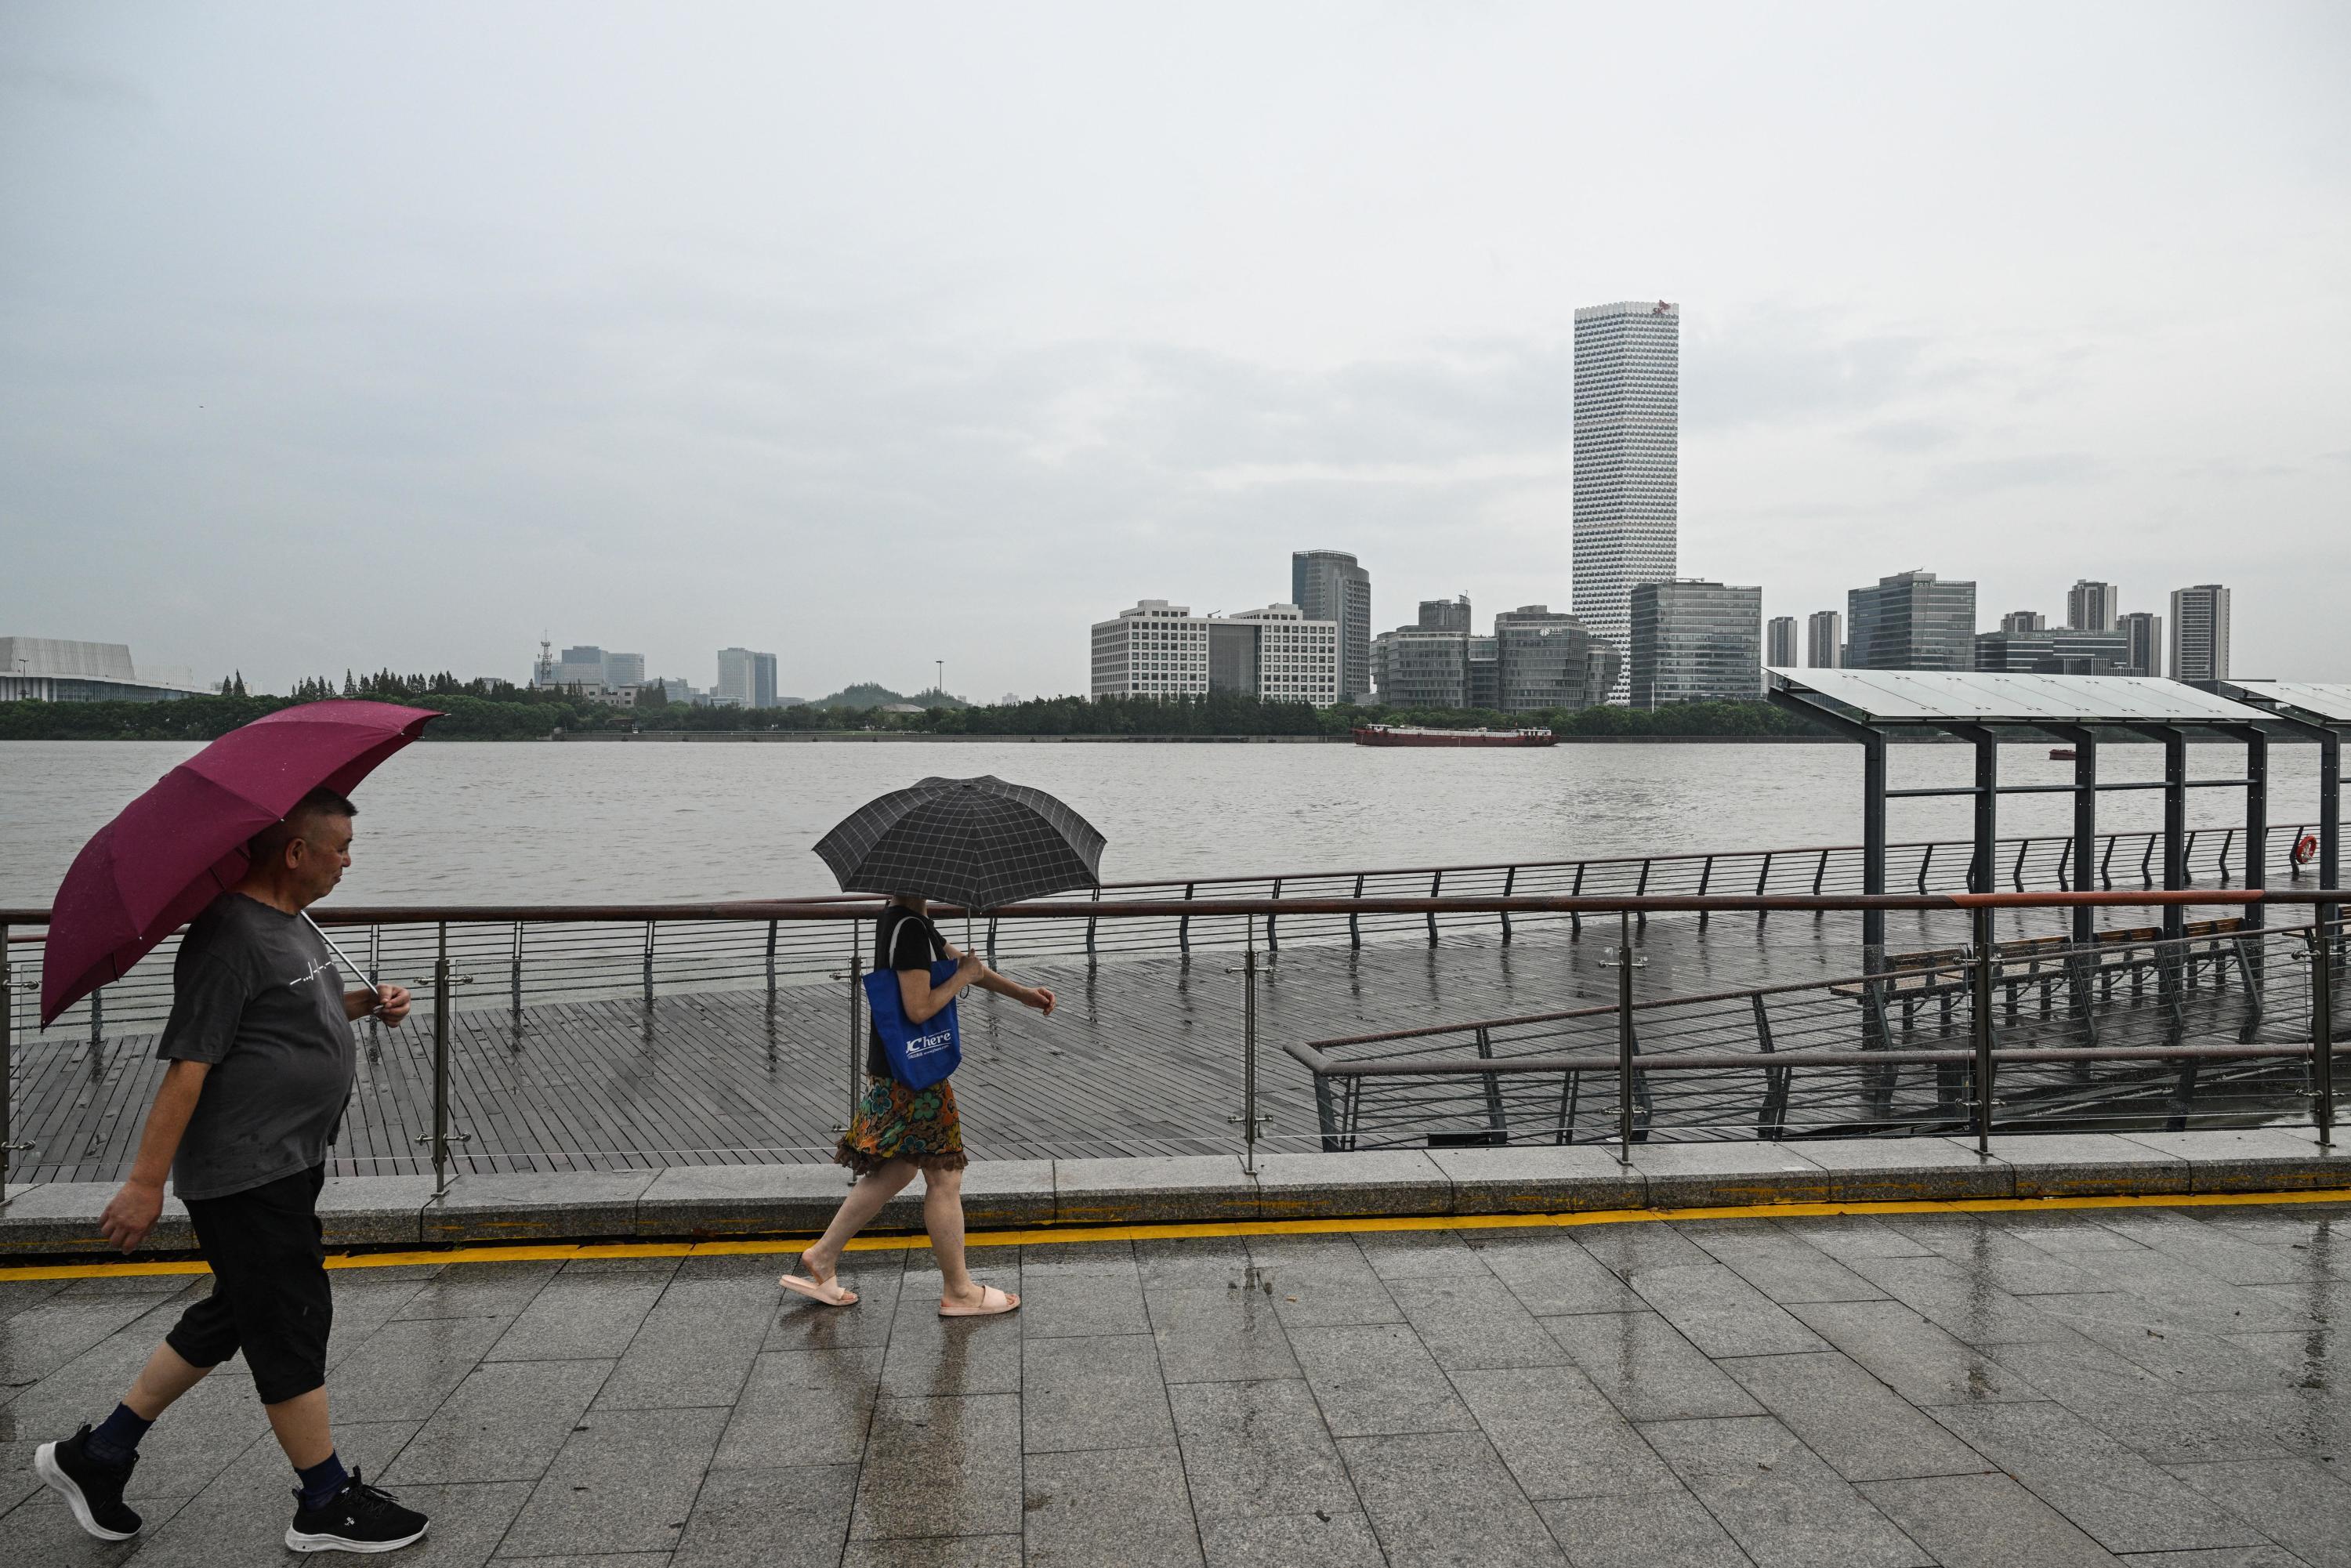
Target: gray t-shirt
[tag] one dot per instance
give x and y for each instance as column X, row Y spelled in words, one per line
column 256, row 992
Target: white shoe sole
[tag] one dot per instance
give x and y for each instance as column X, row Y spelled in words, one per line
column 298, row 1541
column 45, row 1465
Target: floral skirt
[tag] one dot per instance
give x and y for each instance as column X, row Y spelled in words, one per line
column 895, row 1122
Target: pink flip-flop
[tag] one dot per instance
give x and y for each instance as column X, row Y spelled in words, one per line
column 991, row 1301
column 831, row 1292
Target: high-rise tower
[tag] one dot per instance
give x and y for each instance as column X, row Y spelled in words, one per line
column 1329, row 585
column 1627, row 420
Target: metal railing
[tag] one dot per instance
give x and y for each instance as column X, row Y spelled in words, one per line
column 2230, row 1025
column 536, row 955
column 1863, row 1027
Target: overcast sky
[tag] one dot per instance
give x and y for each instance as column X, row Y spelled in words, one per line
column 345, row 336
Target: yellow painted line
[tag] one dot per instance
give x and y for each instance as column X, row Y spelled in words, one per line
column 564, row 1252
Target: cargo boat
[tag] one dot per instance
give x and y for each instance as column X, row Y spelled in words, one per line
column 1409, row 735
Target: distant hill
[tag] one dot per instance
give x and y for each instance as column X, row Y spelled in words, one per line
column 866, row 694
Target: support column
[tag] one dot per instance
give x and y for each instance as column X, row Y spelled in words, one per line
column 1873, row 851
column 1984, row 875
column 2257, row 824
column 2086, row 834
column 2175, row 831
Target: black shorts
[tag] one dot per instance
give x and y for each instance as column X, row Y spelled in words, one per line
column 270, row 1297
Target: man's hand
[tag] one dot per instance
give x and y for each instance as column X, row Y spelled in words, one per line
column 1039, row 998
column 390, row 1003
column 132, row 1214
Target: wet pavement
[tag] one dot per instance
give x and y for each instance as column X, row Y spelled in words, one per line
column 2162, row 1387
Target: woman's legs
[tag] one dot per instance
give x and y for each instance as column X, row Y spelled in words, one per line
column 873, row 1189
column 943, row 1218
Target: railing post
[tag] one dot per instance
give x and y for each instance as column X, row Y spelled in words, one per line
column 96, row 1028
column 443, row 1001
column 1273, row 942
column 856, row 1026
column 1497, row 1126
column 1183, row 926
column 991, row 941
column 1354, row 921
column 1509, row 883
column 1575, row 917
column 1435, row 882
column 649, row 963
column 771, row 957
column 1704, row 881
column 514, row 971
column 7, row 1061
column 1763, row 880
column 2322, row 1028
column 1247, row 1118
column 1981, row 1006
column 1623, row 1038
column 1642, row 891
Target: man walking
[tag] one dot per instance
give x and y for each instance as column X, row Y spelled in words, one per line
column 259, row 1043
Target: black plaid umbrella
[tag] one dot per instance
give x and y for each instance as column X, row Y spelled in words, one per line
column 973, row 842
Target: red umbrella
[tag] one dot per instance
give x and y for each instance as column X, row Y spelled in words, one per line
column 175, row 849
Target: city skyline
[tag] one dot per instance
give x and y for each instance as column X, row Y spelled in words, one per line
column 697, row 397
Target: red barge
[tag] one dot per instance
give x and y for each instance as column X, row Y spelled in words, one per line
column 1409, row 735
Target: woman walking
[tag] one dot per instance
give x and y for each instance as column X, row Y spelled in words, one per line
column 898, row 1130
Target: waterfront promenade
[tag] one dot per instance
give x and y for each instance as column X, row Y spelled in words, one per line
column 2160, row 1386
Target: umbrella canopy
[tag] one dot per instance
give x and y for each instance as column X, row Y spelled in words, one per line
column 175, row 849
column 975, row 842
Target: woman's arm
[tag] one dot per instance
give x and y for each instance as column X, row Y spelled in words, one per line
column 1036, row 997
column 922, row 1001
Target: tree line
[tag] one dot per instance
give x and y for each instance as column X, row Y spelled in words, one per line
column 501, row 710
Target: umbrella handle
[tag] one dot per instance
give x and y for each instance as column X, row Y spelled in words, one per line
column 359, row 972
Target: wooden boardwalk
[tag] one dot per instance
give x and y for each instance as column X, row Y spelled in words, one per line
column 1143, row 1056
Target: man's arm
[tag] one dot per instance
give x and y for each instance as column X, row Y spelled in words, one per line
column 134, row 1210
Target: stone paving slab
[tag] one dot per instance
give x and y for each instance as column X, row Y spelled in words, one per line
column 1637, row 1392
column 60, row 1219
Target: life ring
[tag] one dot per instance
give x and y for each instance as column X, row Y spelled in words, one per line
column 2305, row 849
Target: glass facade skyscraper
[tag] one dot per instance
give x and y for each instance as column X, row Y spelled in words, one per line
column 1696, row 642
column 1912, row 621
column 1627, row 433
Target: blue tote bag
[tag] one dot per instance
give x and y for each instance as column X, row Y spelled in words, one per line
column 920, row 1054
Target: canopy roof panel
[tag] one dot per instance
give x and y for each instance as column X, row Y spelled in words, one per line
column 1970, row 696
column 2328, row 702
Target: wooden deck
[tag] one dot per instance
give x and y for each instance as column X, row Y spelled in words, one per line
column 1143, row 1056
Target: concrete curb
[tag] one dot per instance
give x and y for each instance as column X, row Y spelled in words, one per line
column 710, row 1202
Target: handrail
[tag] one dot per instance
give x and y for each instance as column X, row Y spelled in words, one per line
column 1145, row 909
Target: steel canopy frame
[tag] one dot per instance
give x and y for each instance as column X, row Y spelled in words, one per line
column 1872, row 707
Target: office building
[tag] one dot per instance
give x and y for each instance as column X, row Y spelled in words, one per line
column 2200, row 632
column 624, row 671
column 1232, row 656
column 1627, row 423
column 2023, row 623
column 745, row 679
column 2091, row 606
column 1328, row 585
column 1547, row 660
column 1696, row 642
column 1912, row 621
column 1485, row 657
column 2053, row 651
column 582, row 667
column 1417, row 667
column 1779, row 642
column 1298, row 656
column 56, row 670
column 1444, row 615
column 2142, row 632
column 1824, row 640
column 1158, row 650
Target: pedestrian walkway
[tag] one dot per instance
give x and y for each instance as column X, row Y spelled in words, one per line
column 2152, row 1386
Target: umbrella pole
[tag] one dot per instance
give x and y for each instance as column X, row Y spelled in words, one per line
column 345, row 957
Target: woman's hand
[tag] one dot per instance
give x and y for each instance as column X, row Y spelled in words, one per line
column 1039, row 998
column 969, row 967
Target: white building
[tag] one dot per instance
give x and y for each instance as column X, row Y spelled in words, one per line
column 1162, row 649
column 746, row 678
column 1627, row 423
column 2200, row 632
column 56, row 670
column 1155, row 650
column 1297, row 659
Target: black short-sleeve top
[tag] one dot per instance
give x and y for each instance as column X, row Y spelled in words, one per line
column 902, row 940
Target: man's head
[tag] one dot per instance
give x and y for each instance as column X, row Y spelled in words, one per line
column 303, row 856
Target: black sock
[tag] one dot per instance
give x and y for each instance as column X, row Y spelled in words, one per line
column 322, row 1480
column 114, row 1442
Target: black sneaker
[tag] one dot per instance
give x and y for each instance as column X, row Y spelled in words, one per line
column 359, row 1518
column 94, row 1491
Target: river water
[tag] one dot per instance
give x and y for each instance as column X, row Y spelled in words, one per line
column 557, row 823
